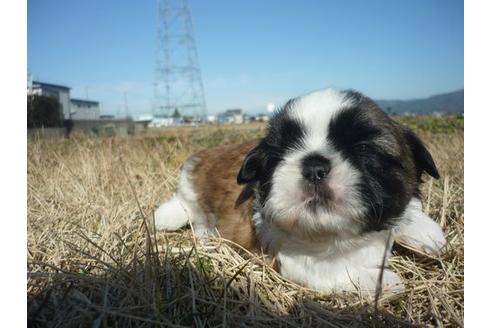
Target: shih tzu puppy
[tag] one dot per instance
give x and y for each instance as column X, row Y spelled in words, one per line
column 331, row 184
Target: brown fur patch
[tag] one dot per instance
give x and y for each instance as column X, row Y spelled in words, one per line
column 214, row 179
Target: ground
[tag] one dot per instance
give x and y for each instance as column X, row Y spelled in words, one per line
column 95, row 259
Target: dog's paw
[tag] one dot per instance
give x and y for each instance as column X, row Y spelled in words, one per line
column 421, row 233
column 391, row 282
column 171, row 215
column 367, row 280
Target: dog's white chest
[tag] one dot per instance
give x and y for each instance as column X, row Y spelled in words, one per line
column 338, row 264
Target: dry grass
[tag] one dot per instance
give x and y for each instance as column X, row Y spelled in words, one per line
column 94, row 258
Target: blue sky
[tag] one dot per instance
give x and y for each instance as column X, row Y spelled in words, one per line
column 252, row 52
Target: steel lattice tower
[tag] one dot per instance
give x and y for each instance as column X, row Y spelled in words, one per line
column 178, row 82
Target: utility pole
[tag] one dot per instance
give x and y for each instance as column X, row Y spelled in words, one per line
column 126, row 106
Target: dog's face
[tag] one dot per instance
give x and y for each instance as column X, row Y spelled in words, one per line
column 333, row 163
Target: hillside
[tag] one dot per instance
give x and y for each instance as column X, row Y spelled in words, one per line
column 452, row 102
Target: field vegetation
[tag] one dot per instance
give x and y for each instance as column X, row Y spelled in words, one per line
column 95, row 259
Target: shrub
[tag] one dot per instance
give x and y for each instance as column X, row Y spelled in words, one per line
column 43, row 111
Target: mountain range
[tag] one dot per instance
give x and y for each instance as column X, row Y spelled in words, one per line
column 452, row 102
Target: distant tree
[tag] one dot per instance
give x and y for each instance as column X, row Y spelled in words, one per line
column 43, row 111
column 176, row 113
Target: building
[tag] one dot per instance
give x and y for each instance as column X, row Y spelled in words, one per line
column 84, row 109
column 107, row 117
column 161, row 122
column 211, row 119
column 60, row 92
column 141, row 123
column 75, row 109
column 231, row 116
column 262, row 118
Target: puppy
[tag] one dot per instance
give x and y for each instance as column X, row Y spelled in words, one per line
column 333, row 182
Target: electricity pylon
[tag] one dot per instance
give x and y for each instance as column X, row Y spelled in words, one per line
column 178, row 82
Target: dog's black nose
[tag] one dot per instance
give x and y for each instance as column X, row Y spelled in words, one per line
column 315, row 168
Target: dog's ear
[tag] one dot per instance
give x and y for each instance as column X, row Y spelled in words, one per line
column 247, row 193
column 421, row 156
column 251, row 167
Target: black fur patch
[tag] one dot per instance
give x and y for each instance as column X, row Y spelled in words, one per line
column 382, row 188
column 351, row 127
column 422, row 157
column 284, row 134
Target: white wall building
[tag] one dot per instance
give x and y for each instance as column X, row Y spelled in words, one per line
column 232, row 116
column 161, row 122
column 211, row 119
column 84, row 109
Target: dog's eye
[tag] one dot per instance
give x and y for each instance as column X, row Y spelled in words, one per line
column 362, row 146
column 366, row 135
column 354, row 137
column 350, row 127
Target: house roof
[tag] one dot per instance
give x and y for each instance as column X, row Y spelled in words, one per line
column 235, row 111
column 49, row 85
column 84, row 102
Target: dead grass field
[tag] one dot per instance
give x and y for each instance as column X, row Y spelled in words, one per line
column 94, row 258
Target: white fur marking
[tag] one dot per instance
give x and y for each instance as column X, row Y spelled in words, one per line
column 418, row 230
column 171, row 215
column 339, row 264
column 183, row 208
